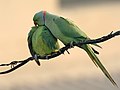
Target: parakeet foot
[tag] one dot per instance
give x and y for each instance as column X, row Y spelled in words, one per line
column 47, row 56
column 71, row 44
column 68, row 52
column 36, row 59
column 60, row 51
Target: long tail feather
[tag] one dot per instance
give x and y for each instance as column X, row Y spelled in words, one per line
column 97, row 62
column 96, row 52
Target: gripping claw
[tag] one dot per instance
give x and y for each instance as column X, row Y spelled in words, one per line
column 36, row 59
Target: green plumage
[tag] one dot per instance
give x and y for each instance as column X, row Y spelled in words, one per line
column 67, row 32
column 30, row 34
column 41, row 42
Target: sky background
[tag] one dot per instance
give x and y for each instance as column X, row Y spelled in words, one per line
column 66, row 72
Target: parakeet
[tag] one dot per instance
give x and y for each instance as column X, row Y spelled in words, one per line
column 41, row 42
column 67, row 32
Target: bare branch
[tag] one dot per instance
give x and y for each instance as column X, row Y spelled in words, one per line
column 16, row 64
column 21, row 63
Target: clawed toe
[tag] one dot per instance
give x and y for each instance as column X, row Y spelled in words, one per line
column 36, row 59
column 71, row 44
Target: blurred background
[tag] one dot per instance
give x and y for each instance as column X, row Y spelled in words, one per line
column 66, row 72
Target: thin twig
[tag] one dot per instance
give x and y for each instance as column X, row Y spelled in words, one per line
column 16, row 64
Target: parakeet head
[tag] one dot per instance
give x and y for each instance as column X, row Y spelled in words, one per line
column 39, row 18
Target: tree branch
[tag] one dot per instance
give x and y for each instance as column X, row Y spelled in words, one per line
column 16, row 64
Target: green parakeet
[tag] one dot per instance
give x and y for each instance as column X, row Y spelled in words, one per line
column 67, row 32
column 41, row 42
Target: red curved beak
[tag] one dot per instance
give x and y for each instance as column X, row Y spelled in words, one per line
column 35, row 23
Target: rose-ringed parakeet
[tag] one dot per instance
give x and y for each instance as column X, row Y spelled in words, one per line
column 67, row 32
column 41, row 42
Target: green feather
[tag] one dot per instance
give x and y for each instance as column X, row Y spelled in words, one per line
column 75, row 33
column 30, row 34
column 67, row 32
column 41, row 41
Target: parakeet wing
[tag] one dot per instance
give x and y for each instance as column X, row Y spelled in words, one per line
column 49, row 39
column 69, row 29
column 44, row 42
column 29, row 39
